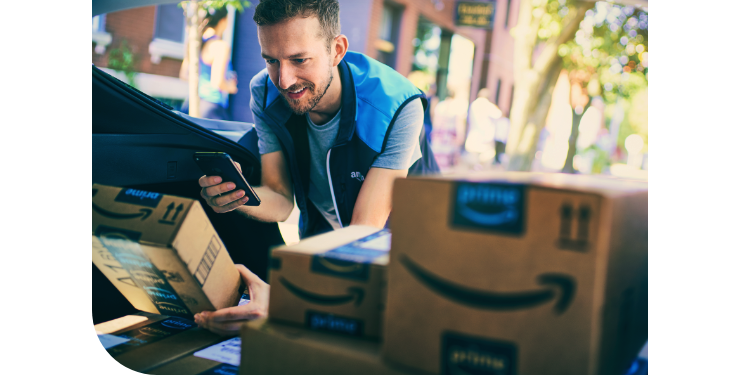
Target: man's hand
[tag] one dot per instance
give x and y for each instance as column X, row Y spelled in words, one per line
column 228, row 321
column 221, row 197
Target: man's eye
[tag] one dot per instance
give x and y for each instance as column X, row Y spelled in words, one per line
column 271, row 61
column 299, row 61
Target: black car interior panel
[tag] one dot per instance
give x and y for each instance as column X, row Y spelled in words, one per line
column 139, row 142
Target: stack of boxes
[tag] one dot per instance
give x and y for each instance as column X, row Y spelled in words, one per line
column 513, row 273
column 334, row 283
column 162, row 253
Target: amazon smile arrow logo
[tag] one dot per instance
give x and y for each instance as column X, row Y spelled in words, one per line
column 355, row 294
column 488, row 300
column 143, row 213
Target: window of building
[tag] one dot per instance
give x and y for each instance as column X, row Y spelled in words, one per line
column 170, row 23
column 98, row 23
column 426, row 53
column 386, row 43
column 101, row 38
column 169, row 33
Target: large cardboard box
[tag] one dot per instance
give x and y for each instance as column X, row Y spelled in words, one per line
column 333, row 281
column 145, row 341
column 191, row 365
column 272, row 348
column 161, row 252
column 221, row 358
column 511, row 273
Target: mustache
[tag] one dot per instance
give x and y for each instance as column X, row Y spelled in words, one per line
column 295, row 87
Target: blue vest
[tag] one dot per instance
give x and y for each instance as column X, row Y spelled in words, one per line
column 372, row 96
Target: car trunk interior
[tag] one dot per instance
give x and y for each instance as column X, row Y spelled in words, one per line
column 138, row 142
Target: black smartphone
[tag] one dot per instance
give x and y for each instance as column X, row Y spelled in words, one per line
column 221, row 164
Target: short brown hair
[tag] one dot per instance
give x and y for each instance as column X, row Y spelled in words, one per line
column 270, row 12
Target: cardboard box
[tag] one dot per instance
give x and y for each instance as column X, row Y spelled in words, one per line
column 272, row 348
column 512, row 273
column 191, row 365
column 151, row 340
column 333, row 281
column 161, row 252
column 220, row 358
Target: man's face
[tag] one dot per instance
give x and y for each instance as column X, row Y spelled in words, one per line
column 298, row 61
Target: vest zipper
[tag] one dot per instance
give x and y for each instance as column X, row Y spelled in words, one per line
column 330, row 185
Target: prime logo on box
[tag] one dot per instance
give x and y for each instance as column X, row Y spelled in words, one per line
column 139, row 197
column 489, row 207
column 355, row 294
column 334, row 323
column 340, row 268
column 490, row 300
column 463, row 354
column 143, row 213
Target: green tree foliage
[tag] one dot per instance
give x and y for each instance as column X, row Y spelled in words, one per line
column 607, row 54
column 123, row 59
column 611, row 46
column 543, row 26
column 215, row 4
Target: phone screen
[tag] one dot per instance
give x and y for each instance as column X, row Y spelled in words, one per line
column 220, row 164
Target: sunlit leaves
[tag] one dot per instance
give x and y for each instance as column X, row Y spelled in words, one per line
column 612, row 44
column 123, row 59
column 207, row 5
column 551, row 14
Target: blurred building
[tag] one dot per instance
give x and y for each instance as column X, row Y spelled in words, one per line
column 418, row 38
column 154, row 36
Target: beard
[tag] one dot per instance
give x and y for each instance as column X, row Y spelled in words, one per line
column 302, row 106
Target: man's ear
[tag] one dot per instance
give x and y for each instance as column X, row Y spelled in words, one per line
column 340, row 44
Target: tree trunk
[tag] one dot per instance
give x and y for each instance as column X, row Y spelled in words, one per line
column 193, row 23
column 576, row 120
column 523, row 158
column 530, row 87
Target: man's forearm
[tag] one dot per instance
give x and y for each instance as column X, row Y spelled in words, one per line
column 274, row 206
column 374, row 203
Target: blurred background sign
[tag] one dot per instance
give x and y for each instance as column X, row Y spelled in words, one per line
column 475, row 14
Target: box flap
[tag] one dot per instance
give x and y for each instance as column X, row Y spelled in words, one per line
column 607, row 186
column 120, row 277
column 328, row 241
column 200, row 248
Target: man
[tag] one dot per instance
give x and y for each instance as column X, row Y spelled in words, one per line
column 479, row 141
column 449, row 120
column 335, row 130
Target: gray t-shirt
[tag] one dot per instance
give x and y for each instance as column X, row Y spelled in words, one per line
column 402, row 150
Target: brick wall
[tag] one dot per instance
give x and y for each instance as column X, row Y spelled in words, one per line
column 501, row 60
column 137, row 27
